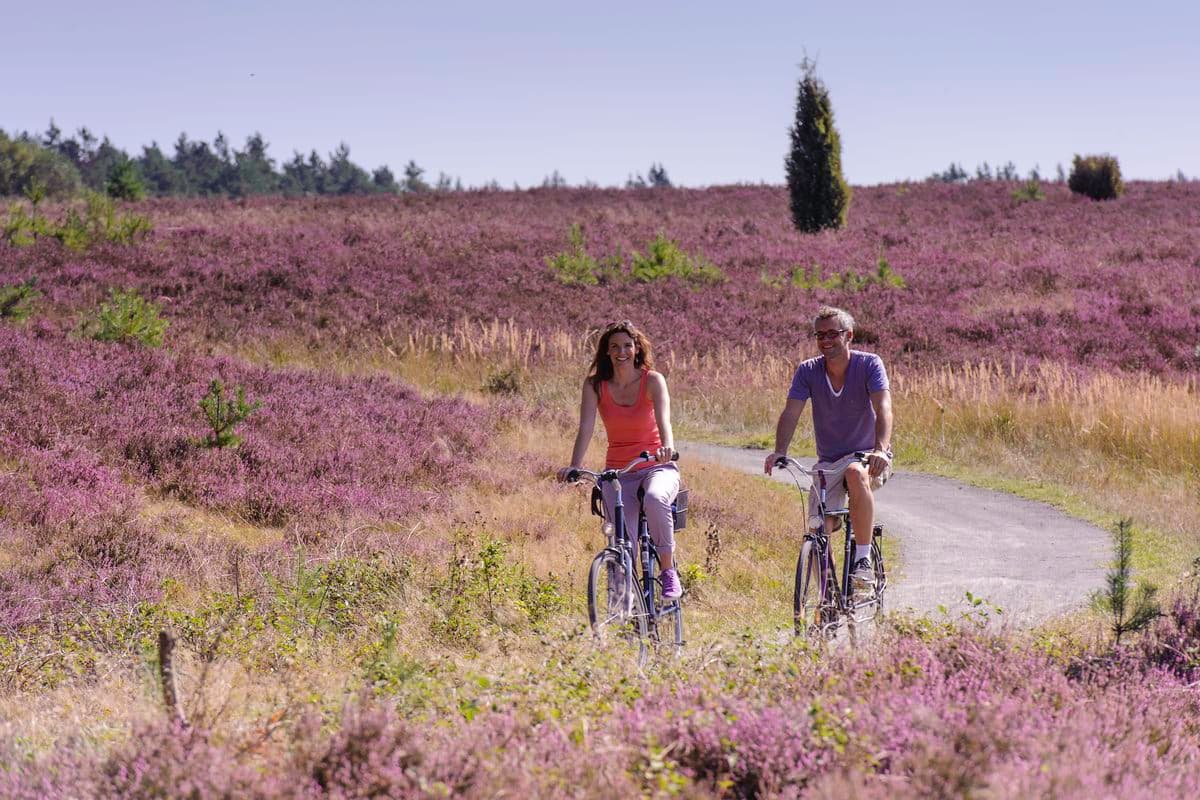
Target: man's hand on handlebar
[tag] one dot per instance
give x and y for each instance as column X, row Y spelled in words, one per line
column 772, row 462
column 877, row 462
column 565, row 476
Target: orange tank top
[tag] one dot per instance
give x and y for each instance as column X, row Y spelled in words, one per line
column 630, row 429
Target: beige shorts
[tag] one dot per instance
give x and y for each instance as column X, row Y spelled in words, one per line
column 835, row 491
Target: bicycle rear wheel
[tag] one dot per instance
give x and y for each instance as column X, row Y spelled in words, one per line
column 616, row 608
column 806, row 599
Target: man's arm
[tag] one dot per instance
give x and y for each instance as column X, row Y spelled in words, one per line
column 882, row 402
column 784, row 430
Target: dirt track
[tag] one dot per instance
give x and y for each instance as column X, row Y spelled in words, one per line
column 1031, row 560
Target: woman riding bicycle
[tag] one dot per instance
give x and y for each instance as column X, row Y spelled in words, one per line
column 636, row 410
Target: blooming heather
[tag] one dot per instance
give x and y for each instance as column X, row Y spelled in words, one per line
column 986, row 278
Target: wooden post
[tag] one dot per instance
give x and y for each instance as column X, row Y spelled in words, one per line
column 166, row 671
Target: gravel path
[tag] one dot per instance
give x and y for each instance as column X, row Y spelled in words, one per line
column 1028, row 558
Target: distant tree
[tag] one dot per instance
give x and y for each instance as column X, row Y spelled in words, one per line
column 159, row 174
column 384, row 181
column 125, row 181
column 304, row 176
column 27, row 168
column 635, row 181
column 1097, row 177
column 953, row 174
column 1180, row 177
column 1035, row 174
column 413, row 182
column 206, row 170
column 554, row 181
column 444, row 183
column 1008, row 172
column 657, row 176
column 255, row 169
column 346, row 177
column 820, row 196
column 1060, row 174
column 983, row 172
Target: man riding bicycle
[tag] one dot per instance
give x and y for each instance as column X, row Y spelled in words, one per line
column 852, row 412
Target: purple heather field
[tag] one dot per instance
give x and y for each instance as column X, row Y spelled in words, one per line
column 1104, row 285
column 101, row 442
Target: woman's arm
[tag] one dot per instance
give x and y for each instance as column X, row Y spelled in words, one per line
column 657, row 386
column 587, row 424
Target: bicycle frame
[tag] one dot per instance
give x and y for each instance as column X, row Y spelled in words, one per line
column 834, row 603
column 620, row 545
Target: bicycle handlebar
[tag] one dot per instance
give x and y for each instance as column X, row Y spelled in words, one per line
column 787, row 462
column 575, row 474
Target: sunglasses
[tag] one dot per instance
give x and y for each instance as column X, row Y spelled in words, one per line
column 832, row 334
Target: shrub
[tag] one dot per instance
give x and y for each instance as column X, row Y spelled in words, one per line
column 820, row 196
column 665, row 259
column 77, row 231
column 25, row 166
column 504, row 382
column 1097, row 177
column 1029, row 192
column 574, row 265
column 124, row 182
column 224, row 414
column 16, row 300
column 127, row 317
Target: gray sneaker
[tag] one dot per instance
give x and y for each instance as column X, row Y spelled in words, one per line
column 862, row 579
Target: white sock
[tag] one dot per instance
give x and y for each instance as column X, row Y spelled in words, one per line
column 862, row 551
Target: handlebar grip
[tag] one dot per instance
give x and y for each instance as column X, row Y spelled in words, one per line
column 781, row 461
column 572, row 476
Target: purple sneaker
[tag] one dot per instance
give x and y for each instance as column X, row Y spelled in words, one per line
column 670, row 584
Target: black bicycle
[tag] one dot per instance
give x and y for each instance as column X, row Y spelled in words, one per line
column 620, row 600
column 821, row 604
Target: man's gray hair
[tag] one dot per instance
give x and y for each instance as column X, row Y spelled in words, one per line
column 844, row 320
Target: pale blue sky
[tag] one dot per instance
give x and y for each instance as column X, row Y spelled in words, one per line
column 514, row 90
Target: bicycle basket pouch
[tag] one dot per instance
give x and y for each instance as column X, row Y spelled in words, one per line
column 597, row 502
column 679, row 509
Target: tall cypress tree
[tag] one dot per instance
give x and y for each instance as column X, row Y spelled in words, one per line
column 820, row 196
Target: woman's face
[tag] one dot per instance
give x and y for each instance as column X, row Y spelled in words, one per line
column 621, row 349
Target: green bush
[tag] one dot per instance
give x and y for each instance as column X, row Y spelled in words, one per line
column 574, row 265
column 811, row 278
column 26, row 167
column 1097, row 177
column 127, row 317
column 665, row 259
column 1031, row 191
column 125, row 181
column 16, row 300
column 482, row 588
column 223, row 414
column 79, row 229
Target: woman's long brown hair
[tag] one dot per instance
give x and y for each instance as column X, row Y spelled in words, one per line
column 602, row 366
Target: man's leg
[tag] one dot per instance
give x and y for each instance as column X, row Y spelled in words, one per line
column 862, row 503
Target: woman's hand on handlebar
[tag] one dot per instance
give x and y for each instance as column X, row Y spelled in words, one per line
column 664, row 455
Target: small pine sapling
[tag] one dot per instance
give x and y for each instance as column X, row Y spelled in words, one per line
column 224, row 414
column 1129, row 612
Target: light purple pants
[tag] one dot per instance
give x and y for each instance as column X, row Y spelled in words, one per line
column 662, row 484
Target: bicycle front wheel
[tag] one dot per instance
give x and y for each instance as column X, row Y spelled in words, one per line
column 880, row 575
column 806, row 600
column 616, row 608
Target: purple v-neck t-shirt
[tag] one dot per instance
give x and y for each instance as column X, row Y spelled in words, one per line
column 843, row 423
